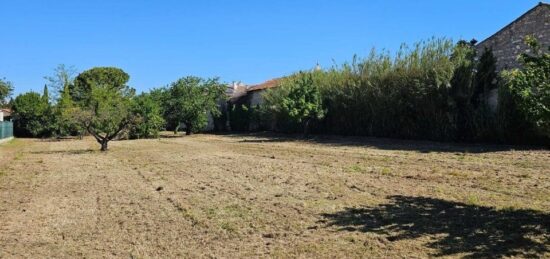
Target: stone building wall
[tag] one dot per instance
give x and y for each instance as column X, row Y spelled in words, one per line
column 508, row 43
column 256, row 97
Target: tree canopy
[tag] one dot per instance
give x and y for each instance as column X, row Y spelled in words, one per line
column 31, row 115
column 6, row 88
column 149, row 120
column 63, row 76
column 189, row 100
column 104, row 100
column 109, row 78
column 299, row 99
column 531, row 86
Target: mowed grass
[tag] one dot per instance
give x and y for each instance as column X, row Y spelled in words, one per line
column 267, row 196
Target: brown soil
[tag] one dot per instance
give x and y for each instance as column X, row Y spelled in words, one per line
column 257, row 196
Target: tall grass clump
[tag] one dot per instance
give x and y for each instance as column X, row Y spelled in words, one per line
column 434, row 90
column 402, row 96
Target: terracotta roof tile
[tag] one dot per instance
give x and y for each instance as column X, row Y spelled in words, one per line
column 265, row 85
column 7, row 112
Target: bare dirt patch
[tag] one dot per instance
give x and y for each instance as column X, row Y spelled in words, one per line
column 254, row 196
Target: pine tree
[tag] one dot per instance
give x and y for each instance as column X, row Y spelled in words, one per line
column 46, row 95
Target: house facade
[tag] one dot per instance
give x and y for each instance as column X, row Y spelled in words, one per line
column 250, row 97
column 255, row 92
column 5, row 114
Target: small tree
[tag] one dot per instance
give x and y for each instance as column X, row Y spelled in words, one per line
column 104, row 100
column 50, row 120
column 148, row 113
column 6, row 89
column 303, row 101
column 31, row 115
column 531, row 86
column 65, row 112
column 190, row 100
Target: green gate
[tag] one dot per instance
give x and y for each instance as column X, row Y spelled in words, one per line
column 6, row 129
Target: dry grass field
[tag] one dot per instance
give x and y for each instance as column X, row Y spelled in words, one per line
column 227, row 196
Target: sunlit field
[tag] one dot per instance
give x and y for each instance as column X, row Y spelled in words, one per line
column 268, row 196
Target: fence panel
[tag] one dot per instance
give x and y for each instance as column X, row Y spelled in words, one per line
column 6, row 129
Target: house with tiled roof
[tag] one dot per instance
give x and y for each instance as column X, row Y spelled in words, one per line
column 5, row 114
column 252, row 97
column 243, row 100
column 255, row 92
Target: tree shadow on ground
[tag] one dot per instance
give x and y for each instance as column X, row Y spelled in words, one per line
column 66, row 152
column 60, row 139
column 475, row 230
column 169, row 136
column 421, row 146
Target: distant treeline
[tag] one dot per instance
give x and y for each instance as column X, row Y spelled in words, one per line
column 98, row 102
column 436, row 90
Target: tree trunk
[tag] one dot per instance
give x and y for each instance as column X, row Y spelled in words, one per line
column 176, row 129
column 189, row 129
column 104, row 145
column 306, row 128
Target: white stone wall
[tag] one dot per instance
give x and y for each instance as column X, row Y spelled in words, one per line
column 1, row 116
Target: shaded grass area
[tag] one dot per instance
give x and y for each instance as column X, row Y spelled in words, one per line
column 477, row 231
column 67, row 152
column 385, row 144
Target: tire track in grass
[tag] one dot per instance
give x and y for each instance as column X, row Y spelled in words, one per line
column 161, row 186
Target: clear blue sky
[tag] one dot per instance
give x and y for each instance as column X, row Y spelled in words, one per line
column 157, row 42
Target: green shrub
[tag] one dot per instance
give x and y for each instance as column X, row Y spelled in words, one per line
column 32, row 115
column 240, row 116
column 530, row 87
column 149, row 121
